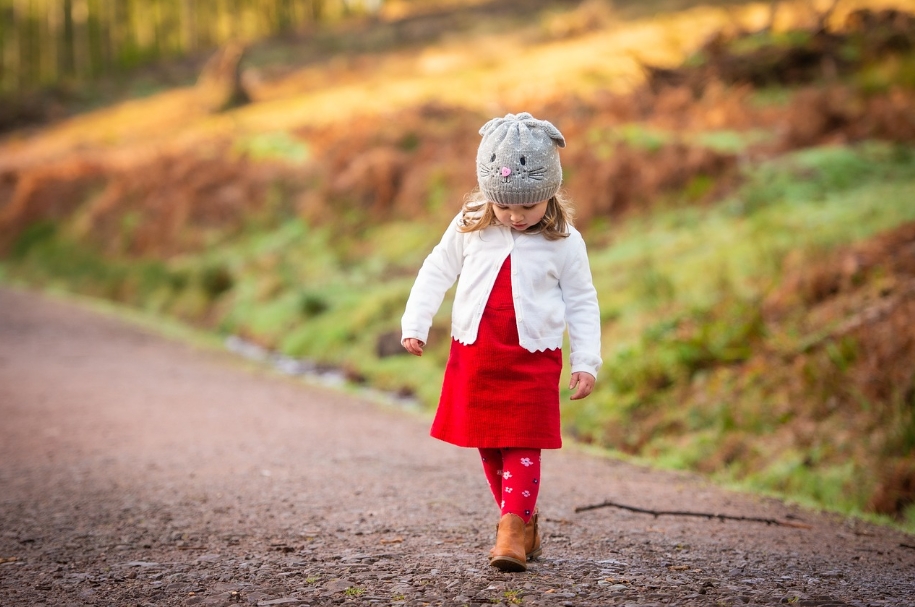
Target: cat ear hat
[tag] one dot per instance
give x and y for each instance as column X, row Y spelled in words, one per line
column 518, row 160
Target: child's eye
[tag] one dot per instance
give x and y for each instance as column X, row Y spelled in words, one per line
column 501, row 207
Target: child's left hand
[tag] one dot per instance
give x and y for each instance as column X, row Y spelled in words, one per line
column 585, row 383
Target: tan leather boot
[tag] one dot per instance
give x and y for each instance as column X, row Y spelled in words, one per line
column 508, row 553
column 532, row 547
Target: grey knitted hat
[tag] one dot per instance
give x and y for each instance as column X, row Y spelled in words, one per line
column 518, row 160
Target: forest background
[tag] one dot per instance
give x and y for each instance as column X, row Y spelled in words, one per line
column 744, row 175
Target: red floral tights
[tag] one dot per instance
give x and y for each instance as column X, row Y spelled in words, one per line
column 514, row 478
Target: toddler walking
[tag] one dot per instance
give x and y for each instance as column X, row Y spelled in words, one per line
column 524, row 278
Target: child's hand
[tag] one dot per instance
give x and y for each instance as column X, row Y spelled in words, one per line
column 413, row 346
column 585, row 383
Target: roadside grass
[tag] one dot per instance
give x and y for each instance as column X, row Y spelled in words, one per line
column 682, row 293
column 693, row 258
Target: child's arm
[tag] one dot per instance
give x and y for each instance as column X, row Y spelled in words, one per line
column 438, row 272
column 582, row 318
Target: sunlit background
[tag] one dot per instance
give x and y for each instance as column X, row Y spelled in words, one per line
column 275, row 171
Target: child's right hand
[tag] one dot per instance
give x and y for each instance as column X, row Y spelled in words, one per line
column 413, row 346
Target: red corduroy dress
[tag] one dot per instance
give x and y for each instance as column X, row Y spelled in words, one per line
column 495, row 393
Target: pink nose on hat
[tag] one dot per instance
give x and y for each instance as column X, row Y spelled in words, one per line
column 506, row 171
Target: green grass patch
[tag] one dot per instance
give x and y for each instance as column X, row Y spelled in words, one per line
column 685, row 287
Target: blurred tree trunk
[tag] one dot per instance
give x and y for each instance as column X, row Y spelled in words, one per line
column 189, row 25
column 96, row 36
column 79, row 17
column 317, row 10
column 50, row 57
column 12, row 51
column 68, row 63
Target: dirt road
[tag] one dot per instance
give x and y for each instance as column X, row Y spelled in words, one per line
column 140, row 471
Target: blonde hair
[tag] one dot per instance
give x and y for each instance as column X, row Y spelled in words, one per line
column 477, row 214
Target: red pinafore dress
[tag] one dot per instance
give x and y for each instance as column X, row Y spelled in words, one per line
column 496, row 393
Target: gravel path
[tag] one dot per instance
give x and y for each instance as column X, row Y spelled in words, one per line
column 140, row 471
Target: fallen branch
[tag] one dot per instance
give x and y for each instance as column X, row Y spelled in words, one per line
column 708, row 515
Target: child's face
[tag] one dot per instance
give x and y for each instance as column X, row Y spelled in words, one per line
column 520, row 216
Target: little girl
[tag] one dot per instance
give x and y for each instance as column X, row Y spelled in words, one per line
column 524, row 276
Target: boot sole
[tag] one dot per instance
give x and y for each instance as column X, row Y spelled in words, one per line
column 507, row 563
column 530, row 556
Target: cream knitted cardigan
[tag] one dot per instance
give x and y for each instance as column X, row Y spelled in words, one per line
column 551, row 284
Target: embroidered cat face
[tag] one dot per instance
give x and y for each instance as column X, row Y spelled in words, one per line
column 518, row 160
column 513, row 167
